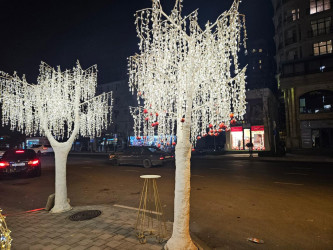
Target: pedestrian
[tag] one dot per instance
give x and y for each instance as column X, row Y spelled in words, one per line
column 250, row 146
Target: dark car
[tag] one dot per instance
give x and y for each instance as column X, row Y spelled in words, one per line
column 20, row 161
column 145, row 156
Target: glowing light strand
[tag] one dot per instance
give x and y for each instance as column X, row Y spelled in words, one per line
column 182, row 68
column 51, row 104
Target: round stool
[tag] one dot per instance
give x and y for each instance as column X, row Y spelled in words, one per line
column 150, row 219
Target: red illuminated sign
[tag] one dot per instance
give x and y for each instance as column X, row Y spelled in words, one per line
column 236, row 129
column 257, row 128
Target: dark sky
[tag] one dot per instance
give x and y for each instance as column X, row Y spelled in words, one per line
column 96, row 32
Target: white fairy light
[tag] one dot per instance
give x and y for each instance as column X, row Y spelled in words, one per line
column 51, row 104
column 60, row 106
column 188, row 81
column 186, row 72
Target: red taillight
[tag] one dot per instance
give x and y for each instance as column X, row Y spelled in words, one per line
column 33, row 162
column 44, row 148
column 19, row 151
column 4, row 164
column 172, row 156
column 161, row 158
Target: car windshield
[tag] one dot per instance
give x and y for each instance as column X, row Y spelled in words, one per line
column 154, row 150
column 19, row 154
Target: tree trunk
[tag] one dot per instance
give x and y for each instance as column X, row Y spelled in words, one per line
column 181, row 238
column 60, row 203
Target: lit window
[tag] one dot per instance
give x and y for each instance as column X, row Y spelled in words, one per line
column 259, row 61
column 260, row 67
column 322, row 48
column 295, row 14
column 319, row 6
column 260, row 50
column 254, row 51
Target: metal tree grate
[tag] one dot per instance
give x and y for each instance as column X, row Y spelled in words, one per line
column 85, row 215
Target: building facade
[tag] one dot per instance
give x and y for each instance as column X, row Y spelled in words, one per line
column 304, row 59
column 259, row 124
column 260, row 71
column 122, row 122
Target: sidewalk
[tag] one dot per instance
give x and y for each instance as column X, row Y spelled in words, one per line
column 113, row 229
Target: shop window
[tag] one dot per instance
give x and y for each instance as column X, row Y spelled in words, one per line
column 319, row 6
column 247, row 137
column 320, row 101
column 321, row 26
column 236, row 138
column 322, row 48
column 258, row 137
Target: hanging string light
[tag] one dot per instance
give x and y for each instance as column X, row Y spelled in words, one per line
column 183, row 70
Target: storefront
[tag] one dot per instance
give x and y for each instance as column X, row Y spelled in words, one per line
column 239, row 136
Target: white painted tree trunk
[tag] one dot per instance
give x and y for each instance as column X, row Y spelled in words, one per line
column 181, row 239
column 60, row 154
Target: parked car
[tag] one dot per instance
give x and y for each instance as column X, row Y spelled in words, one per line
column 2, row 151
column 23, row 161
column 42, row 149
column 145, row 156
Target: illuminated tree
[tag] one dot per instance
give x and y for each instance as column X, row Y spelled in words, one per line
column 188, row 80
column 60, row 106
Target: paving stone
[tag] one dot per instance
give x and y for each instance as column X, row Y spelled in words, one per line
column 114, row 244
column 64, row 247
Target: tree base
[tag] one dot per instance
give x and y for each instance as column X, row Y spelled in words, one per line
column 61, row 209
column 180, row 244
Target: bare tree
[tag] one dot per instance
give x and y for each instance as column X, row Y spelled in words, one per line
column 60, row 106
column 189, row 81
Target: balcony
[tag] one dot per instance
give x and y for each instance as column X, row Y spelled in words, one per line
column 312, row 65
column 319, row 32
column 290, row 40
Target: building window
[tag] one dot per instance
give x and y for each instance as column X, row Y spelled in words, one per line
column 319, row 6
column 295, row 14
column 254, row 51
column 292, row 54
column 321, row 26
column 319, row 101
column 260, row 50
column 322, row 48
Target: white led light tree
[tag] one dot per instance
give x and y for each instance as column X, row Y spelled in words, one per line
column 60, row 106
column 189, row 81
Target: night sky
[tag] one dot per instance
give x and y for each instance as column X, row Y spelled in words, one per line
column 97, row 32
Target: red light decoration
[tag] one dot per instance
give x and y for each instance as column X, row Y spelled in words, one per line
column 233, row 121
column 216, row 134
column 221, row 125
column 198, row 138
column 174, row 144
column 19, row 151
column 159, row 145
column 210, row 125
column 145, row 111
column 138, row 138
column 231, row 115
column 220, row 130
column 147, row 118
column 182, row 120
column 153, row 124
column 156, row 123
column 193, row 149
column 156, row 114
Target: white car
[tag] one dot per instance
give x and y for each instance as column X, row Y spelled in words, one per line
column 42, row 149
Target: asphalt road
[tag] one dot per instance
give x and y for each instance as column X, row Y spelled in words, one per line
column 289, row 205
